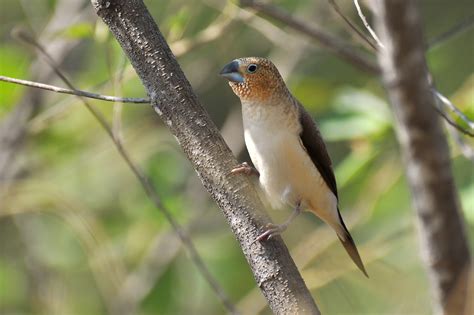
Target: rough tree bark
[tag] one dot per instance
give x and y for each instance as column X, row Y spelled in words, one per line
column 174, row 101
column 443, row 241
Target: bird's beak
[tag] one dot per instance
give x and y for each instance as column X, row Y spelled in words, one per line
column 231, row 72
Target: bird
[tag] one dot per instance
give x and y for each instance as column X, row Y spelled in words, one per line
column 286, row 148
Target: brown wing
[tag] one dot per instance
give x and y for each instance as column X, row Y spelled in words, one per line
column 314, row 144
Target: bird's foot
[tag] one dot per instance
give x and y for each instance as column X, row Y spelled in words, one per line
column 271, row 230
column 246, row 169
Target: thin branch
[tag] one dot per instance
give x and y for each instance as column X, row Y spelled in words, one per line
column 367, row 25
column 145, row 182
column 444, row 100
column 338, row 46
column 75, row 92
column 438, row 95
column 351, row 24
column 455, row 30
column 452, row 123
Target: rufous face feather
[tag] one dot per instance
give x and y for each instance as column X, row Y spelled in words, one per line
column 254, row 79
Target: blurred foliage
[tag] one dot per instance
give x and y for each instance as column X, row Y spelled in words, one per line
column 76, row 225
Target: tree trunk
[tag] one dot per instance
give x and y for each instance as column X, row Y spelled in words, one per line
column 443, row 241
column 174, row 101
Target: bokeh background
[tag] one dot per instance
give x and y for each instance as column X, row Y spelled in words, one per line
column 78, row 235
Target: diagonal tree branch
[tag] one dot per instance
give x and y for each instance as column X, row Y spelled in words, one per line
column 174, row 101
column 426, row 153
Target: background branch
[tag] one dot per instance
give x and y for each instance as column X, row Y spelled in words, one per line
column 444, row 100
column 147, row 185
column 452, row 32
column 13, row 127
column 367, row 25
column 330, row 42
column 426, row 153
column 360, row 34
column 14, row 135
column 173, row 99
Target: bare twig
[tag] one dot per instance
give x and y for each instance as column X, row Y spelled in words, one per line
column 338, row 46
column 367, row 25
column 455, row 30
column 75, row 92
column 145, row 182
column 455, row 129
column 445, row 101
column 351, row 24
column 452, row 123
column 438, row 95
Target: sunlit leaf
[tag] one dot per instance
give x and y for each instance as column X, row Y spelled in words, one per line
column 79, row 31
column 13, row 63
column 360, row 115
column 12, row 284
column 467, row 198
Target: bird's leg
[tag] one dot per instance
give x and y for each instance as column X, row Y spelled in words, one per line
column 275, row 229
column 246, row 169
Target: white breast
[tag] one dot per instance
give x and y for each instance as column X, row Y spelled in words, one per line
column 287, row 173
column 266, row 152
column 268, row 135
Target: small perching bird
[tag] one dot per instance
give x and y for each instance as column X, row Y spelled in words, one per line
column 286, row 148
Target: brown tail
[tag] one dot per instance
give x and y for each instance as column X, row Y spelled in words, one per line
column 350, row 247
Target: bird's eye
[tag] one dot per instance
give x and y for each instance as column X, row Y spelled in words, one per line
column 252, row 68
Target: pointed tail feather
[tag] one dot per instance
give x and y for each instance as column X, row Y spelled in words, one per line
column 350, row 247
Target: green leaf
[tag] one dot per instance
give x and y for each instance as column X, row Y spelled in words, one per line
column 13, row 63
column 12, row 284
column 177, row 23
column 79, row 31
column 467, row 197
column 352, row 165
column 360, row 115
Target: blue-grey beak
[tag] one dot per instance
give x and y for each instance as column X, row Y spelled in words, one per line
column 231, row 72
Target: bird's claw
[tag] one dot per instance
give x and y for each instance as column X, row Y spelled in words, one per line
column 244, row 168
column 271, row 230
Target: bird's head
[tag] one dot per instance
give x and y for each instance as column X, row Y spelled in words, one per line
column 254, row 79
